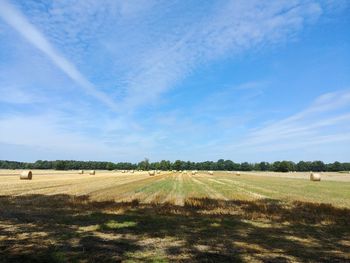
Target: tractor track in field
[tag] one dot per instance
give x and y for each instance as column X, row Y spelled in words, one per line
column 36, row 190
column 172, row 193
column 102, row 184
column 215, row 181
column 241, row 187
column 252, row 186
column 142, row 195
column 247, row 184
column 180, row 199
column 134, row 188
column 120, row 184
column 36, row 187
column 212, row 193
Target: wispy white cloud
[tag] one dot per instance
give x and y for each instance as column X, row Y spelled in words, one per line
column 231, row 28
column 47, row 134
column 16, row 20
column 324, row 121
column 144, row 69
column 17, row 95
column 137, row 54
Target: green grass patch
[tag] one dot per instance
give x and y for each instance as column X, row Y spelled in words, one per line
column 112, row 224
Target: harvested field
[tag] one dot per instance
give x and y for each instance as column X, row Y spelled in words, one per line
column 327, row 176
column 113, row 216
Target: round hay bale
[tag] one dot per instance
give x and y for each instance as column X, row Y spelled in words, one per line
column 210, row 172
column 81, row 171
column 26, row 175
column 238, row 173
column 132, row 171
column 194, row 172
column 151, row 173
column 315, row 177
column 158, row 172
column 92, row 172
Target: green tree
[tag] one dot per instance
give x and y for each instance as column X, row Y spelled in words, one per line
column 318, row 166
column 246, row 166
column 110, row 166
column 264, row 166
column 144, row 165
column 228, row 165
column 178, row 165
column 285, row 166
column 60, row 165
column 336, row 167
column 220, row 164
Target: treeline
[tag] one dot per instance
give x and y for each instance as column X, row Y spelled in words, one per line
column 223, row 165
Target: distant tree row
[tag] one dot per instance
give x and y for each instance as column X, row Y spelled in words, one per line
column 223, row 165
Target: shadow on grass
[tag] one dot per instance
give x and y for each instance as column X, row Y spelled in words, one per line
column 64, row 228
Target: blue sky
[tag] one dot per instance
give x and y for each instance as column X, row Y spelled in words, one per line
column 192, row 80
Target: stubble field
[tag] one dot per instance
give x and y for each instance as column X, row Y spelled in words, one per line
column 111, row 216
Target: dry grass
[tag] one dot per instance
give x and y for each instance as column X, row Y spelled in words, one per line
column 109, row 217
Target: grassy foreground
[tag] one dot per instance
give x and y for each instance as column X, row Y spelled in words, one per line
column 186, row 218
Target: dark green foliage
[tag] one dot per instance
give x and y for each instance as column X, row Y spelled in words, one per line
column 221, row 165
column 246, row 166
column 284, row 166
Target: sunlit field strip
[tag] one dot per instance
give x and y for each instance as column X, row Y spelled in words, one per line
column 292, row 189
column 177, row 187
column 55, row 184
